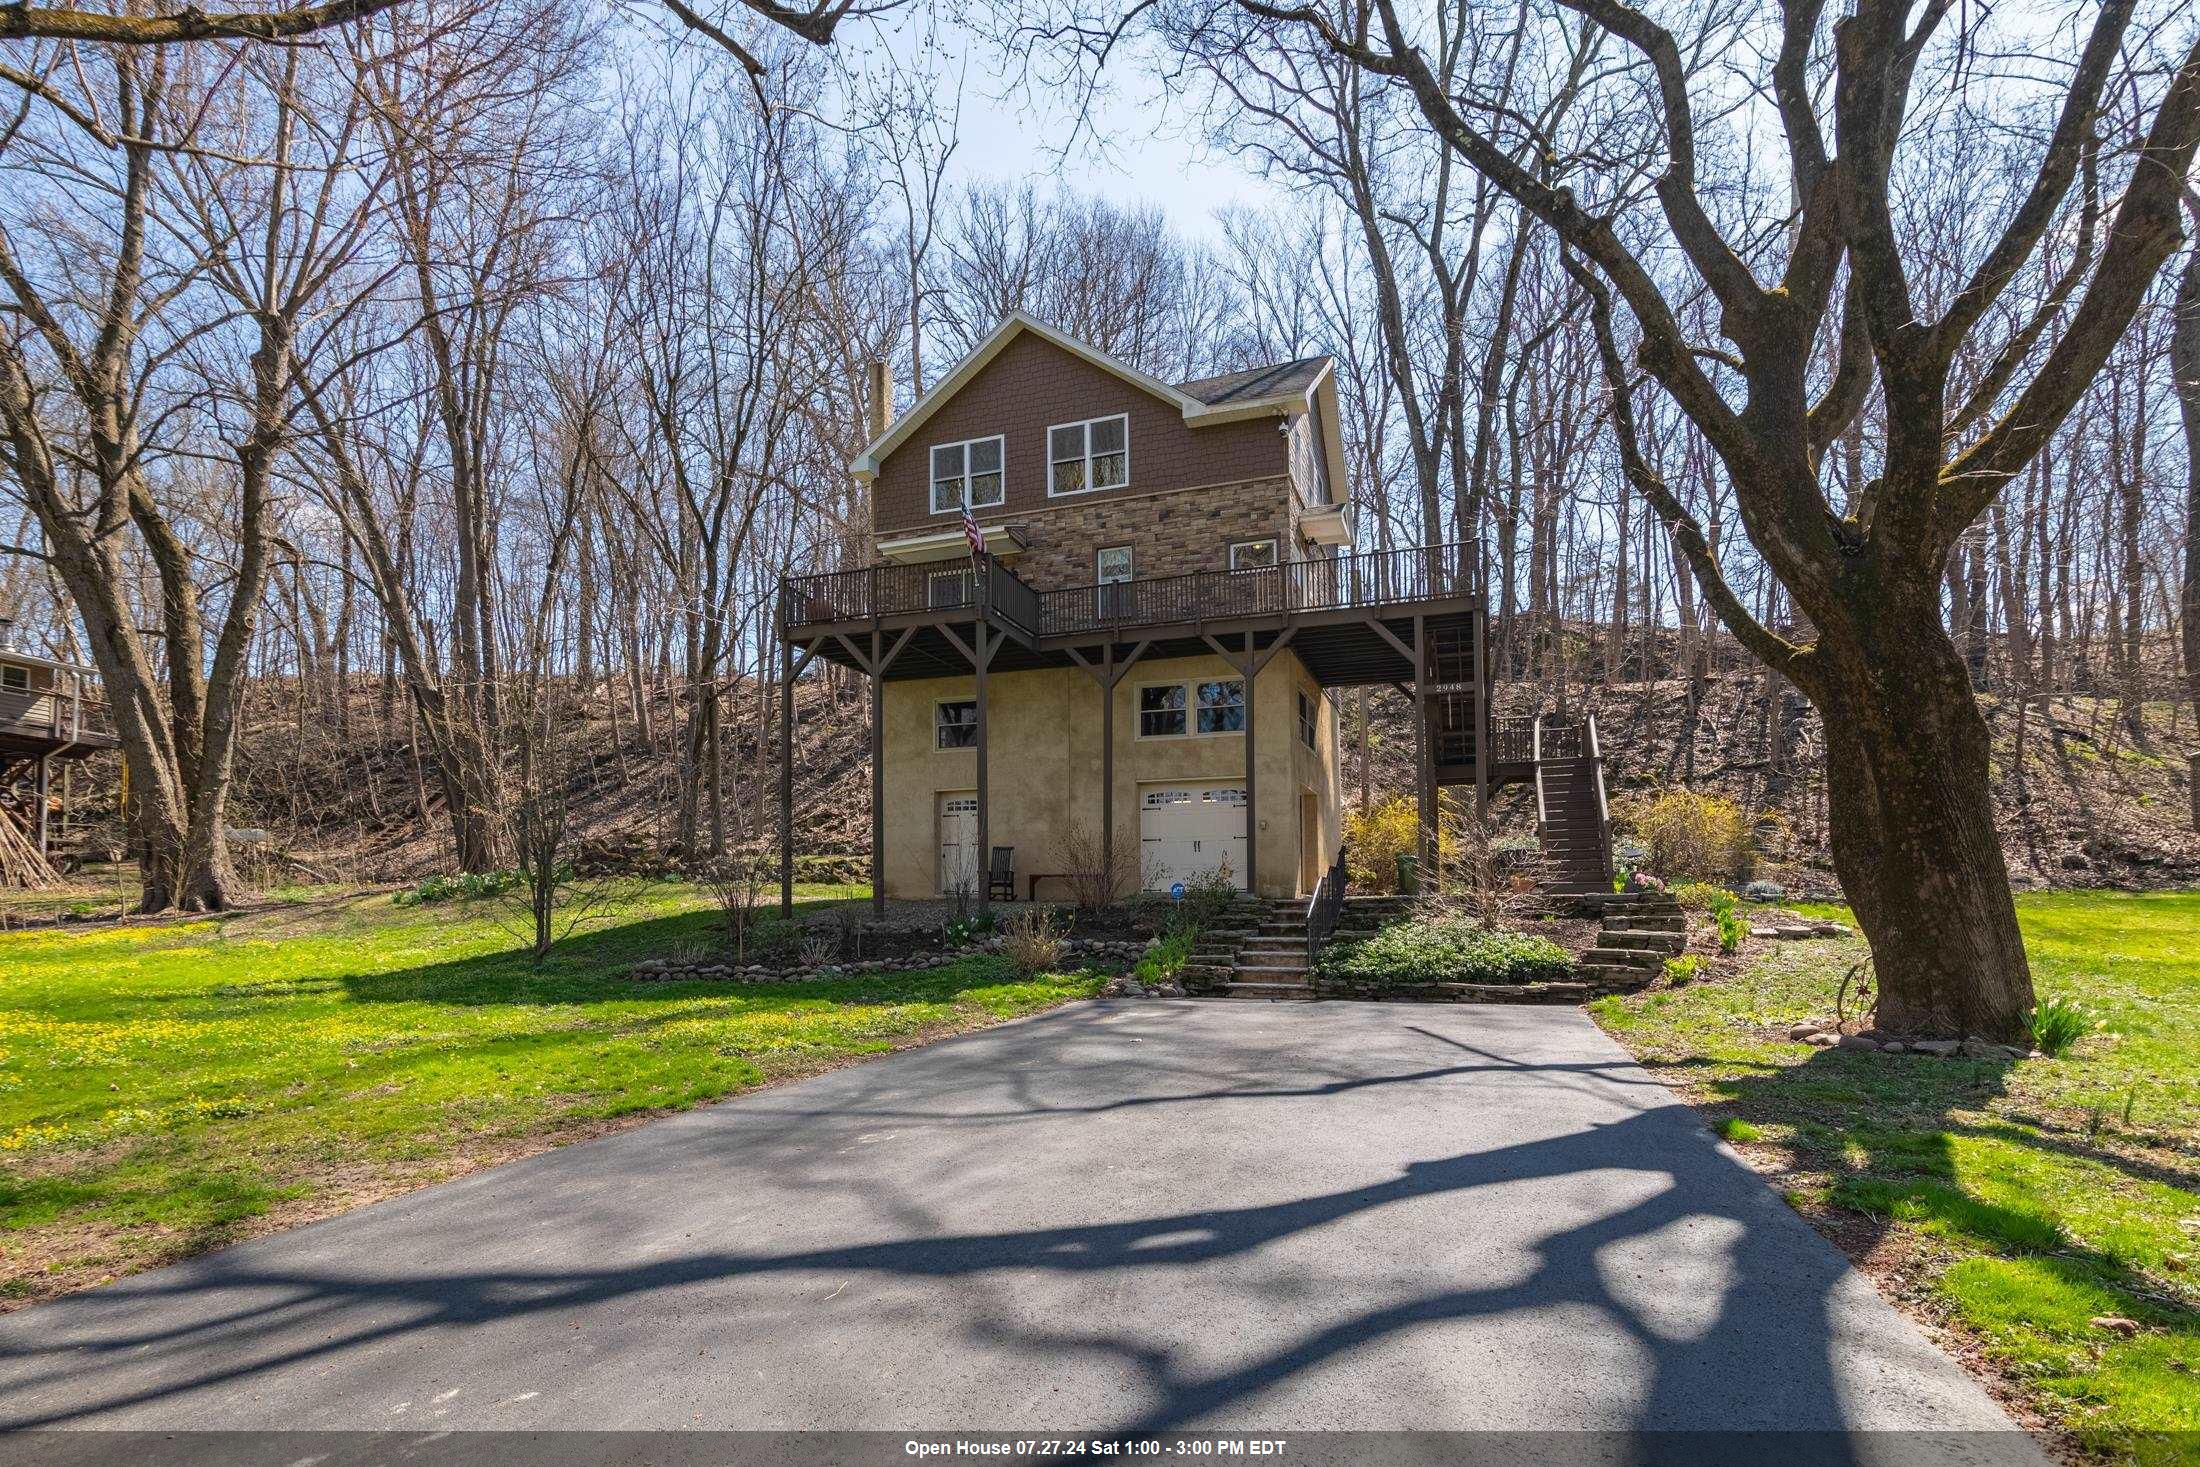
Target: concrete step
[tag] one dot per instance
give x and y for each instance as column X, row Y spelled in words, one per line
column 1264, row 990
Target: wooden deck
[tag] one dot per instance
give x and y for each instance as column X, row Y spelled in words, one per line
column 57, row 725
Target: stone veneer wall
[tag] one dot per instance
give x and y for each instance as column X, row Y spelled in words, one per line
column 1170, row 532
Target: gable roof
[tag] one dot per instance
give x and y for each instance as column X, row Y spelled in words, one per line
column 1225, row 398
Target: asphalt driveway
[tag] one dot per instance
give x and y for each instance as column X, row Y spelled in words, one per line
column 1115, row 1216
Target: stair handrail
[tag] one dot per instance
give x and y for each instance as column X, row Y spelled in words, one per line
column 1324, row 908
column 1542, row 815
column 1604, row 809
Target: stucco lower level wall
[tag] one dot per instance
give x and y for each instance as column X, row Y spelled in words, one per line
column 1044, row 768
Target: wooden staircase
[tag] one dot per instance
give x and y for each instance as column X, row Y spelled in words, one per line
column 1570, row 807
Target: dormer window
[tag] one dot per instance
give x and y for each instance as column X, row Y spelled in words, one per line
column 966, row 474
column 1094, row 454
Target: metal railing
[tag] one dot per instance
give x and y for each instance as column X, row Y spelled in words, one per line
column 948, row 587
column 1323, row 909
column 1372, row 578
column 65, row 716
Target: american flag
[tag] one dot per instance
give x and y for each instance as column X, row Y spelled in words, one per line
column 973, row 534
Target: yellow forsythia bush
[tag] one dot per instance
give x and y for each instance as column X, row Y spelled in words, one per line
column 1689, row 834
column 1376, row 837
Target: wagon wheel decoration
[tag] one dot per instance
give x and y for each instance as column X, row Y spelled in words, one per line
column 1857, row 985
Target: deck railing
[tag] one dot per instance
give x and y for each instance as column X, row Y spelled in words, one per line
column 946, row 586
column 55, row 715
column 1372, row 578
column 1512, row 740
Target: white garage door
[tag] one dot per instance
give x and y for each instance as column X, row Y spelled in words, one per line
column 1186, row 831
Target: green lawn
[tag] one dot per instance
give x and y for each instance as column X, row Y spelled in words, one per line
column 2017, row 1202
column 167, row 1088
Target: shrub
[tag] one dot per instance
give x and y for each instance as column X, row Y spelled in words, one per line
column 1683, row 970
column 1206, row 898
column 775, row 941
column 1376, row 837
column 2058, row 1023
column 1703, row 896
column 1166, row 961
column 963, row 931
column 1738, row 1131
column 462, row 886
column 1446, row 950
column 1031, row 940
column 1733, row 927
column 1692, row 834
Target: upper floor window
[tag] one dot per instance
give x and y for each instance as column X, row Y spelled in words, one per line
column 1252, row 555
column 1095, row 454
column 15, row 679
column 966, row 474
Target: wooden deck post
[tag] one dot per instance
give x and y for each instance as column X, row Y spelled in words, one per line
column 1424, row 776
column 878, row 776
column 985, row 826
column 45, row 794
column 1252, row 787
column 1107, row 771
column 1482, row 723
column 788, row 668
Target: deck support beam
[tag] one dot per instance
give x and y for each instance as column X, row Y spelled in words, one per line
column 1248, row 664
column 1108, row 675
column 790, row 668
column 979, row 652
column 45, row 796
column 1424, row 776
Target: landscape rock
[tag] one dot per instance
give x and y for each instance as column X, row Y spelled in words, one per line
column 1822, row 1039
column 2115, row 1324
column 1939, row 1047
column 1858, row 1041
column 1894, row 1046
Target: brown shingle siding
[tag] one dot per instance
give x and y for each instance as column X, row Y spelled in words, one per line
column 1031, row 386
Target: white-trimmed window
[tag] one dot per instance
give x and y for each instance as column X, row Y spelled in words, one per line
column 1113, row 565
column 1253, row 555
column 1094, row 454
column 15, row 679
column 1161, row 713
column 1174, row 710
column 1222, row 706
column 967, row 474
column 955, row 724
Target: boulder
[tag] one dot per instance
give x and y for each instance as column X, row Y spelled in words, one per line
column 1937, row 1047
column 1822, row 1039
column 1859, row 1042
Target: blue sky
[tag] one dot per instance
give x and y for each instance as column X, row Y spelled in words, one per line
column 1152, row 157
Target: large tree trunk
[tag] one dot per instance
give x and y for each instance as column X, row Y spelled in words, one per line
column 1912, row 824
column 2184, row 362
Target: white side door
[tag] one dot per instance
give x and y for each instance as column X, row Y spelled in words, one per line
column 1187, row 831
column 958, row 844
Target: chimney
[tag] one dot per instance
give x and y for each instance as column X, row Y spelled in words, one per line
column 879, row 391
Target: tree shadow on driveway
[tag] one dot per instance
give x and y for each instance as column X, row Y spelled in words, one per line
column 1765, row 1329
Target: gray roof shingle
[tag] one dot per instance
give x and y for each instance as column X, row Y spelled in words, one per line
column 1255, row 383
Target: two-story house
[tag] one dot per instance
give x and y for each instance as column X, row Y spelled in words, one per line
column 1144, row 653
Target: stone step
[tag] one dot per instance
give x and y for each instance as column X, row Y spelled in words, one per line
column 1241, row 989
column 1653, row 922
column 1622, row 957
column 1266, row 969
column 1663, row 942
column 1609, row 978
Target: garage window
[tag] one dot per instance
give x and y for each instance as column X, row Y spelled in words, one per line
column 955, row 725
column 1161, row 711
column 1222, row 706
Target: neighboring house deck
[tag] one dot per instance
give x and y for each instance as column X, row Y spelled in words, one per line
column 47, row 718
